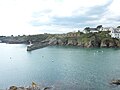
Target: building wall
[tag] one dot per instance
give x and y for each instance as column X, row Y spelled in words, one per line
column 93, row 31
column 115, row 35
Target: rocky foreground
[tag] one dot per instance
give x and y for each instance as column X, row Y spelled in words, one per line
column 34, row 86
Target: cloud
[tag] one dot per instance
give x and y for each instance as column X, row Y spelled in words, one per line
column 55, row 16
column 110, row 17
column 98, row 13
column 80, row 16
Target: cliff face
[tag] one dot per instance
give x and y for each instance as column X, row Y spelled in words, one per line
column 88, row 41
column 110, row 43
column 88, row 44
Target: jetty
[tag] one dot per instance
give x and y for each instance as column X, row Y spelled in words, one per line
column 37, row 45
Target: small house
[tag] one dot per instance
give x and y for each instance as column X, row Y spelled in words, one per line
column 115, row 33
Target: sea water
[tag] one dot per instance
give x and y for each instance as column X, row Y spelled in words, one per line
column 65, row 68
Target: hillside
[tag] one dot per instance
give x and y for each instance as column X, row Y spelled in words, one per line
column 88, row 40
column 100, row 39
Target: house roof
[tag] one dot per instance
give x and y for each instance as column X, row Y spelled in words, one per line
column 116, row 30
column 93, row 28
column 107, row 27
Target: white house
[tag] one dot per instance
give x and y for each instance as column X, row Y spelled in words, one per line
column 93, row 30
column 106, row 29
column 115, row 32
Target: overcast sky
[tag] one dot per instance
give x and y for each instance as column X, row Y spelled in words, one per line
column 56, row 16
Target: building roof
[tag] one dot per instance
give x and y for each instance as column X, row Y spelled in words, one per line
column 93, row 29
column 116, row 30
column 107, row 27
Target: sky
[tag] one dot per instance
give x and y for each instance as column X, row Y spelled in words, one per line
column 19, row 17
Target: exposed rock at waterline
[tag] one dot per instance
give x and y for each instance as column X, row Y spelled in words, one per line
column 32, row 87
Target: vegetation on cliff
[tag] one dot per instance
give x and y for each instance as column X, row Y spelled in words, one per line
column 97, row 39
column 100, row 39
column 23, row 39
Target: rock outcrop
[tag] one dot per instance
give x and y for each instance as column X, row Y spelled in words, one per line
column 34, row 86
column 116, row 82
column 110, row 43
column 89, row 40
column 36, row 46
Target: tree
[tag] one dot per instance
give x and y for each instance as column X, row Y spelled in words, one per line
column 87, row 29
column 78, row 31
column 118, row 26
column 12, row 36
column 99, row 26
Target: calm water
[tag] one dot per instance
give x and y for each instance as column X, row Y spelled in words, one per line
column 65, row 68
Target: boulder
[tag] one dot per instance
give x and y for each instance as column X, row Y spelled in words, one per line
column 13, row 88
column 116, row 82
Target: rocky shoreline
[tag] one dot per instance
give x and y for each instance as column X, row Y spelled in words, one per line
column 79, row 39
column 91, row 43
column 33, row 86
column 36, row 46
